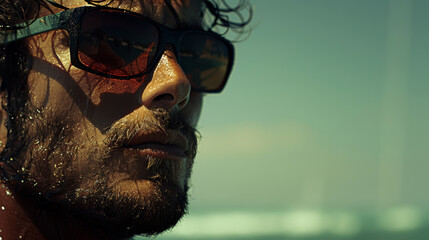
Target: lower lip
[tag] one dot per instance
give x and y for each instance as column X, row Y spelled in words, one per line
column 159, row 151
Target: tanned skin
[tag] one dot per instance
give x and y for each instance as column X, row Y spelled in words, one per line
column 79, row 187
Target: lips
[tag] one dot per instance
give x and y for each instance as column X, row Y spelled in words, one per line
column 167, row 144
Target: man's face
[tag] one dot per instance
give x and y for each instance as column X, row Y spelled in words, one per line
column 118, row 151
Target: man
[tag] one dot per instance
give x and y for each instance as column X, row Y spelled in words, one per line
column 99, row 108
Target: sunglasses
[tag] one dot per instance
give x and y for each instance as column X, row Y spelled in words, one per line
column 123, row 45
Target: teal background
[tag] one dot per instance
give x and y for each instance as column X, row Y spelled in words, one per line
column 322, row 131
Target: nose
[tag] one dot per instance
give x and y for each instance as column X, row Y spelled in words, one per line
column 169, row 87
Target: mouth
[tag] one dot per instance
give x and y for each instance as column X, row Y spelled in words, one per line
column 159, row 150
column 150, row 157
column 166, row 145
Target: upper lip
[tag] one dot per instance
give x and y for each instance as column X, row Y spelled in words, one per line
column 167, row 137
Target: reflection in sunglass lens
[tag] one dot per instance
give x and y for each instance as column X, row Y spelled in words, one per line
column 204, row 59
column 109, row 43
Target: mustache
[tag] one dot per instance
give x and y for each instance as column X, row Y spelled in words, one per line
column 154, row 121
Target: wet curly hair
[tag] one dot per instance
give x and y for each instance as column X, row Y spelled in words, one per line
column 16, row 62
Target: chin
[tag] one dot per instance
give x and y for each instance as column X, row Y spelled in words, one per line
column 128, row 207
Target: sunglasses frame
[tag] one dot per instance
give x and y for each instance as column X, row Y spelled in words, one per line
column 71, row 21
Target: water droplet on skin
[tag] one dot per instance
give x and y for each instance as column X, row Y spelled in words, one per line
column 20, row 237
column 3, row 208
column 8, row 192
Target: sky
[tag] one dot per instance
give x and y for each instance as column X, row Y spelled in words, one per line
column 327, row 107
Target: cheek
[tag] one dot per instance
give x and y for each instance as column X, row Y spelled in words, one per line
column 112, row 87
column 192, row 110
column 50, row 81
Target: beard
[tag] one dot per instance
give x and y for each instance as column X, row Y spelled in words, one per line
column 97, row 183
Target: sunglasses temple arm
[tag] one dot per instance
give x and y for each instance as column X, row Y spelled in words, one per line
column 34, row 27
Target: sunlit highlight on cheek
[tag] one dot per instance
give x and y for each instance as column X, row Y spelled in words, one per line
column 97, row 86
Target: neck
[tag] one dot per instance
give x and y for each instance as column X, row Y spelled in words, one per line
column 23, row 218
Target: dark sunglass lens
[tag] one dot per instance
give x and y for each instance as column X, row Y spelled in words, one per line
column 205, row 60
column 116, row 43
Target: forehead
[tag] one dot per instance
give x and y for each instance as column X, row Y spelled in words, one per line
column 188, row 11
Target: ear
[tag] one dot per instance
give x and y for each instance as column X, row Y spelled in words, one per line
column 3, row 118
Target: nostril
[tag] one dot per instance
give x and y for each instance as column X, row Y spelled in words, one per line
column 164, row 98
